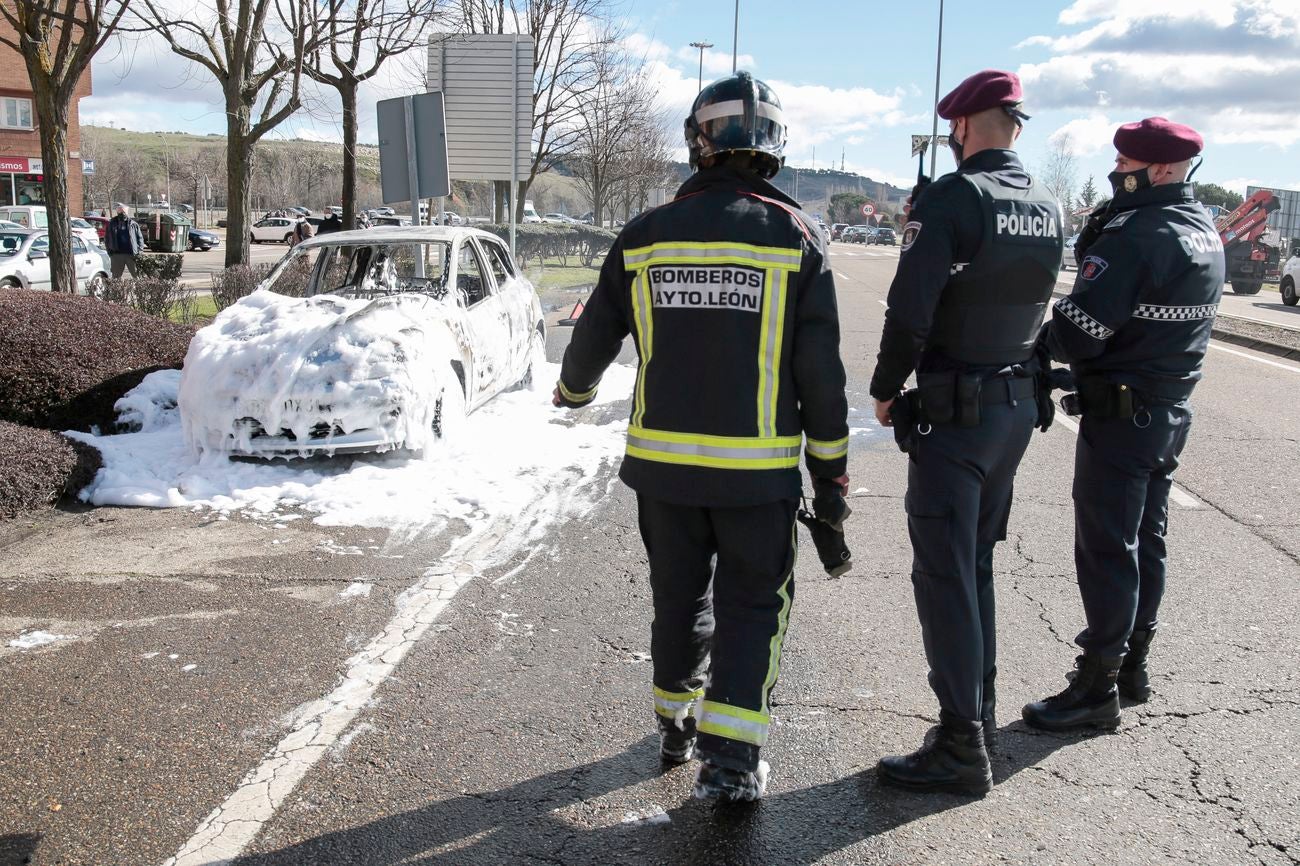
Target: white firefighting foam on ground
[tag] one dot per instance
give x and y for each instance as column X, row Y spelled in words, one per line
column 517, row 458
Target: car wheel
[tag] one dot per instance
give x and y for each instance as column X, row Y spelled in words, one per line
column 535, row 358
column 1241, row 287
column 288, row 239
column 252, row 239
column 10, row 283
column 1288, row 292
column 449, row 409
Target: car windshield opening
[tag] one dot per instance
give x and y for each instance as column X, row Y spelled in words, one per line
column 371, row 270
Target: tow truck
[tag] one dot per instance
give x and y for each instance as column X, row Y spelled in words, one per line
column 1248, row 246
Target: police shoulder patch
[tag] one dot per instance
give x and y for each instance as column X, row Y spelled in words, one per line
column 1092, row 267
column 910, row 231
column 1119, row 220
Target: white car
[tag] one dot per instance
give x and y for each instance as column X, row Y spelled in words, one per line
column 559, row 219
column 25, row 262
column 273, row 230
column 85, row 231
column 1290, row 277
column 363, row 341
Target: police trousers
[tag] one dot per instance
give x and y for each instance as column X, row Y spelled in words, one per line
column 1123, row 470
column 723, row 582
column 959, row 489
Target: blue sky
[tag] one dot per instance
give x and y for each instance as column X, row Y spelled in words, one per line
column 858, row 79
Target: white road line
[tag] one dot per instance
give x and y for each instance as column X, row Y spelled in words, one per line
column 223, row 835
column 1255, row 358
column 1176, row 493
column 842, row 275
column 884, row 304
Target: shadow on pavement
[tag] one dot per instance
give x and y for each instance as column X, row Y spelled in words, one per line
column 532, row 821
column 17, row 849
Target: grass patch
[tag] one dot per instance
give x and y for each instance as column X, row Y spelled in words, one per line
column 204, row 309
column 558, row 276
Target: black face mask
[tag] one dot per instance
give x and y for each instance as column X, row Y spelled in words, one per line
column 1122, row 182
column 956, row 147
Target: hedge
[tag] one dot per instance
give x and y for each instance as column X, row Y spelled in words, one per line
column 66, row 359
column 38, row 468
column 537, row 241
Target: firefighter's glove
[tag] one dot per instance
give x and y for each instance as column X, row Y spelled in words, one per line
column 826, row 524
column 559, row 400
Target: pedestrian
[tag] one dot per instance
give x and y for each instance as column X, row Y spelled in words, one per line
column 731, row 302
column 124, row 242
column 302, row 230
column 331, row 223
column 1134, row 329
column 979, row 258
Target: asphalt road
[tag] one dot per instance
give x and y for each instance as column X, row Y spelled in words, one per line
column 514, row 725
column 199, row 266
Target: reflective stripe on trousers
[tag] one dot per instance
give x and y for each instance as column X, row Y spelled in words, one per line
column 676, row 705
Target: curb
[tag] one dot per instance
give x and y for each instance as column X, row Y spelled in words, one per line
column 1276, row 340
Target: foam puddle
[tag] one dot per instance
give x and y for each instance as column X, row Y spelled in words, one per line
column 516, row 458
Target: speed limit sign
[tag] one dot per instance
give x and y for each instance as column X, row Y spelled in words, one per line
column 868, row 210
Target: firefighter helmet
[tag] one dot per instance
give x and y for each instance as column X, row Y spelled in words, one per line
column 738, row 114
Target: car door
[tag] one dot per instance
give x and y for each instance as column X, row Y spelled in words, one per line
column 36, row 263
column 88, row 261
column 488, row 321
column 516, row 299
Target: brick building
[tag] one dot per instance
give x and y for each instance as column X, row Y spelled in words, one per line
column 22, row 172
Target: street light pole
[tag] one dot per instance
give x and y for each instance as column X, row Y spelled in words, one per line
column 702, row 46
column 938, row 61
column 735, row 38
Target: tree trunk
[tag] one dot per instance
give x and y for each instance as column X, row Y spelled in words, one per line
column 54, row 154
column 519, row 200
column 500, row 190
column 239, row 190
column 348, row 91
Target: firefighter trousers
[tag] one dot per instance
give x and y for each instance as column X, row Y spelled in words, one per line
column 723, row 583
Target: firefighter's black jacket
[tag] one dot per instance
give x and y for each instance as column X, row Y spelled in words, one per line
column 730, row 300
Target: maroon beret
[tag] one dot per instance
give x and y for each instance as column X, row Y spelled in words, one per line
column 982, row 91
column 1158, row 140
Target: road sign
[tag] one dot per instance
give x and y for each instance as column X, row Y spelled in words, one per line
column 868, row 210
column 412, row 124
column 87, row 166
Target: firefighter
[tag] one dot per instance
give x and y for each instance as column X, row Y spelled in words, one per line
column 729, row 298
column 1134, row 329
column 979, row 258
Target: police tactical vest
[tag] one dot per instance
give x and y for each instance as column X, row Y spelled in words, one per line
column 991, row 308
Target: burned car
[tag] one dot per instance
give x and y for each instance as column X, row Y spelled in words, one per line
column 370, row 340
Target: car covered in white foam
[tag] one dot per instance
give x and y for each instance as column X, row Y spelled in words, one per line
column 370, row 340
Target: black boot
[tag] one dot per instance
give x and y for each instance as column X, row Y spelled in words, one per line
column 1133, row 681
column 1090, row 701
column 987, row 719
column 956, row 761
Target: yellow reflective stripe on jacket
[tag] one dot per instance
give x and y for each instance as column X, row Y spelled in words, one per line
column 828, row 450
column 645, row 328
column 673, row 705
column 771, row 333
column 575, row 397
column 733, row 723
column 718, row 452
column 712, row 252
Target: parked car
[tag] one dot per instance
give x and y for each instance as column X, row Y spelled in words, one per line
column 202, row 240
column 6, row 225
column 32, row 216
column 334, row 209
column 25, row 261
column 387, row 220
column 451, row 218
column 883, row 235
column 1067, row 254
column 589, row 218
column 530, row 213
column 87, row 232
column 1290, row 277
column 375, row 356
column 273, row 229
column 385, row 211
column 837, row 230
column 559, row 219
column 301, row 211
column 101, row 225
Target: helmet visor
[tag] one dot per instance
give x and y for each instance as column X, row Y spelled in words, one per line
column 726, row 127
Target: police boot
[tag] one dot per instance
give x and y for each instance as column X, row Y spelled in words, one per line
column 955, row 761
column 987, row 719
column 1090, row 701
column 1133, row 681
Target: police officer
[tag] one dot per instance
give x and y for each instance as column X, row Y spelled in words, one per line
column 979, row 258
column 1135, row 330
column 731, row 303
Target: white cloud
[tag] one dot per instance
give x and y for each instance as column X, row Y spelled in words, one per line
column 1239, row 184
column 1087, row 135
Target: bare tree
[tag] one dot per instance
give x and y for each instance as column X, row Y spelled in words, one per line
column 238, row 42
column 608, row 119
column 646, row 163
column 358, row 37
column 1058, row 172
column 569, row 38
column 57, row 39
